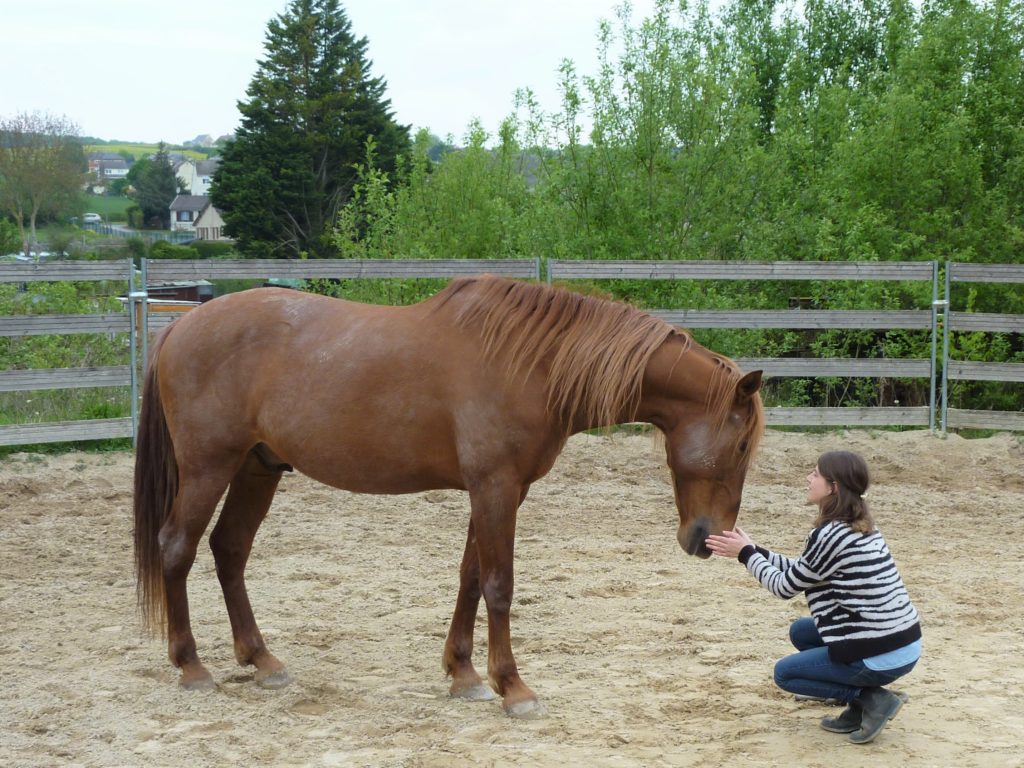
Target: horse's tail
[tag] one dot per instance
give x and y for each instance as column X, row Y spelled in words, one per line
column 156, row 484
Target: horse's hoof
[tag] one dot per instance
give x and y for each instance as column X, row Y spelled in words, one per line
column 274, row 680
column 531, row 709
column 478, row 692
column 197, row 682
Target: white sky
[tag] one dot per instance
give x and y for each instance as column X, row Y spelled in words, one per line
column 150, row 70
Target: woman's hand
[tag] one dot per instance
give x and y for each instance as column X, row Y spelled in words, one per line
column 729, row 543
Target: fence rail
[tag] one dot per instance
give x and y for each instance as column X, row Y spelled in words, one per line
column 65, row 378
column 563, row 269
column 796, row 318
column 45, row 325
column 65, row 431
column 27, row 272
column 338, row 269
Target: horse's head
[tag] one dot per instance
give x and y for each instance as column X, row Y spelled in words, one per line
column 709, row 450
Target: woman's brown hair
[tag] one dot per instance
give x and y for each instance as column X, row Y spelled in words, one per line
column 847, row 473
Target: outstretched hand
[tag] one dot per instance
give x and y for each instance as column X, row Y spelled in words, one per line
column 728, row 543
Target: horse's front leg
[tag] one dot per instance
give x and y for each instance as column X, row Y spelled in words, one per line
column 458, row 648
column 494, row 508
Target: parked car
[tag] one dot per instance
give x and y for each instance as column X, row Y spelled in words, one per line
column 92, row 218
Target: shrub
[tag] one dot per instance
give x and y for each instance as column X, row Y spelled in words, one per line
column 214, row 249
column 162, row 249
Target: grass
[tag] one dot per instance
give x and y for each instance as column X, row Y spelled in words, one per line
column 110, row 208
column 142, row 150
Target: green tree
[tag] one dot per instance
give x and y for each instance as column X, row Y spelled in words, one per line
column 42, row 167
column 155, row 187
column 311, row 107
column 9, row 239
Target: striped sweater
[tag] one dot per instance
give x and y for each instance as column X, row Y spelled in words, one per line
column 854, row 591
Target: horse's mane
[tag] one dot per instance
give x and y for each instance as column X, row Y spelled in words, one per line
column 597, row 349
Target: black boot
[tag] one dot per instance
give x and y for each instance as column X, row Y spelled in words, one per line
column 847, row 722
column 878, row 707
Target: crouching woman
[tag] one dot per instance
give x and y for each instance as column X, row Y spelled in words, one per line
column 863, row 633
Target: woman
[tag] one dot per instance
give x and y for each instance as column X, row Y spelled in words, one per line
column 864, row 631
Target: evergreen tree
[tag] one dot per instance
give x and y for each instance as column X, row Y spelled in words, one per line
column 311, row 106
column 155, row 186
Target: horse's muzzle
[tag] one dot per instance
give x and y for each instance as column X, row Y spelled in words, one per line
column 692, row 538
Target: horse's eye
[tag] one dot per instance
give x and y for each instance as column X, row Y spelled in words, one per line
column 743, row 446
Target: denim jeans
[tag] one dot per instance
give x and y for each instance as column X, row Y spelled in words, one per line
column 812, row 673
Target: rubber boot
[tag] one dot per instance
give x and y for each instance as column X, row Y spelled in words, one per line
column 847, row 722
column 878, row 707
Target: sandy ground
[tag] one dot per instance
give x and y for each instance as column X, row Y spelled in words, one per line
column 642, row 655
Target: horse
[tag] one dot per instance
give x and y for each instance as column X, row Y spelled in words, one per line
column 477, row 388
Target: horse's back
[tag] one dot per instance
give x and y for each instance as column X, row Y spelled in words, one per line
column 364, row 397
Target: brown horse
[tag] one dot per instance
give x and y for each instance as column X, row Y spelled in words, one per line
column 477, row 388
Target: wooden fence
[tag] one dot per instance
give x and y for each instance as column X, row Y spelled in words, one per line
column 958, row 370
column 924, row 318
column 69, row 378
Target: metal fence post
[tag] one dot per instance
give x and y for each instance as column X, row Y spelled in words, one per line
column 145, row 314
column 935, row 314
column 945, row 346
column 133, row 342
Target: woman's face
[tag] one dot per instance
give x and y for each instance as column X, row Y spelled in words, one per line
column 818, row 488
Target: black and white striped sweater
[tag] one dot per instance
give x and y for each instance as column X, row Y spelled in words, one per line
column 854, row 590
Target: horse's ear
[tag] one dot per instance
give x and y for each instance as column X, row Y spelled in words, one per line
column 748, row 386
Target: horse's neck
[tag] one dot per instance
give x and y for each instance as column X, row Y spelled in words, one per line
column 677, row 371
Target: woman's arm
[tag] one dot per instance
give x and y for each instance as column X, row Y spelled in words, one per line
column 780, row 575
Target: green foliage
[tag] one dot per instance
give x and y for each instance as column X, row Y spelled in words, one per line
column 214, row 249
column 862, row 131
column 311, row 107
column 161, row 249
column 155, row 187
column 41, row 171
column 10, row 241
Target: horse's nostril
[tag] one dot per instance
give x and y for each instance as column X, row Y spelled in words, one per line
column 693, row 543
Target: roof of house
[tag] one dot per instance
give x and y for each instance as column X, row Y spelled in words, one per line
column 190, row 202
column 207, row 167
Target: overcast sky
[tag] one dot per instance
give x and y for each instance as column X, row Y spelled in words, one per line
column 149, row 70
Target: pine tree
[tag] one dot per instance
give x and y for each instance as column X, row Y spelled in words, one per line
column 311, row 106
column 155, row 186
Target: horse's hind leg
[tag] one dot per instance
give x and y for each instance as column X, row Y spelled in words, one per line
column 194, row 504
column 458, row 648
column 249, row 497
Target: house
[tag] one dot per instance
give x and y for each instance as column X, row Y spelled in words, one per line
column 195, row 176
column 210, row 225
column 185, row 211
column 195, row 213
column 204, row 175
column 185, row 171
column 112, row 168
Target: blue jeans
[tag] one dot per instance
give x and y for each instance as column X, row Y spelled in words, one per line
column 812, row 673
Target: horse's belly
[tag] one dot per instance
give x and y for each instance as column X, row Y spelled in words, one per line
column 368, row 461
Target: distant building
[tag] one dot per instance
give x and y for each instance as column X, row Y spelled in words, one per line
column 195, row 176
column 113, row 168
column 210, row 225
column 185, row 211
column 195, row 213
